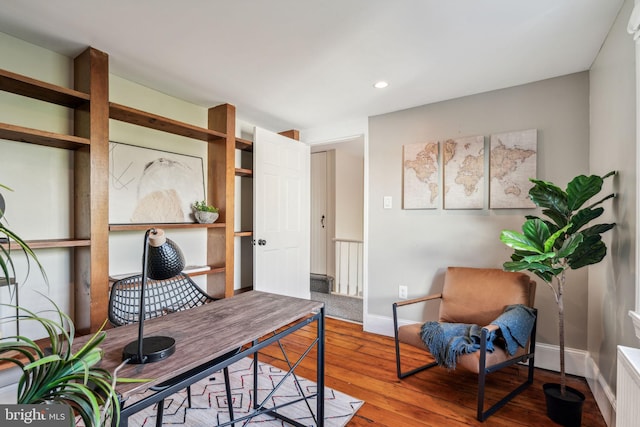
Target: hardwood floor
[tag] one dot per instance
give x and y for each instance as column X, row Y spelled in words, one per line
column 363, row 366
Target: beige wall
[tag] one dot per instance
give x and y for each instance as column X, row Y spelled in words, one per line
column 40, row 205
column 349, row 195
column 613, row 147
column 412, row 247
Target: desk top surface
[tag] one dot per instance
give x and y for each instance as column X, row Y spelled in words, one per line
column 201, row 334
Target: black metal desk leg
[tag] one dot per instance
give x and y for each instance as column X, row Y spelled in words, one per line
column 320, row 370
column 255, row 378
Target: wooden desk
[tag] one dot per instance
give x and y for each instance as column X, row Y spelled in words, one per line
column 204, row 333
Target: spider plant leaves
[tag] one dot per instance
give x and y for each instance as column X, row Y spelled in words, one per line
column 71, row 378
column 6, row 261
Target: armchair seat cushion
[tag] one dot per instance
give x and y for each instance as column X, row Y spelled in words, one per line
column 410, row 334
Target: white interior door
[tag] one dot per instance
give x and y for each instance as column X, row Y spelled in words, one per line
column 319, row 214
column 281, row 174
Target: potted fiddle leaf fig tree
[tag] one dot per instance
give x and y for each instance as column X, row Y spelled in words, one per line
column 549, row 245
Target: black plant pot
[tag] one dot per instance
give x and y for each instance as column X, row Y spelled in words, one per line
column 565, row 410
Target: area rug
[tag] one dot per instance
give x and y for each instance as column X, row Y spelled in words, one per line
column 209, row 401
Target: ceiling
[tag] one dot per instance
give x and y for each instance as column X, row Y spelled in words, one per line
column 303, row 64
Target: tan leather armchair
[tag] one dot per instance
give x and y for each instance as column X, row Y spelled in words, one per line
column 475, row 296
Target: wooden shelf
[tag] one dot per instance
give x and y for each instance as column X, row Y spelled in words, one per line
column 213, row 270
column 244, row 144
column 244, row 172
column 243, row 233
column 164, row 124
column 138, row 227
column 40, row 137
column 50, row 243
column 32, row 88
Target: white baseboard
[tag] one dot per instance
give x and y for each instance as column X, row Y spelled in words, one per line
column 602, row 393
column 577, row 362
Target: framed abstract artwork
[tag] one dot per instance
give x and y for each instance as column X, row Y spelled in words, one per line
column 152, row 186
column 512, row 161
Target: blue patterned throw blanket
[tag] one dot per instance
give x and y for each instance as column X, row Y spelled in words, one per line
column 446, row 341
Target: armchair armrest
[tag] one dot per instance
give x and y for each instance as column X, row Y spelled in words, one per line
column 491, row 328
column 416, row 300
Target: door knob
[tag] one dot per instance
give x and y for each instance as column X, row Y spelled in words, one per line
column 262, row 242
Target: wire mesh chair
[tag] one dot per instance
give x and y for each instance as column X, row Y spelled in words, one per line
column 162, row 297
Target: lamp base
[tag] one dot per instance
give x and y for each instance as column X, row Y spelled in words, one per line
column 153, row 350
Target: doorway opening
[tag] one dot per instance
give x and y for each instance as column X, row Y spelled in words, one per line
column 337, row 218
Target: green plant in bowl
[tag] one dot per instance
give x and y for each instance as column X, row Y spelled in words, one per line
column 204, row 213
column 202, row 206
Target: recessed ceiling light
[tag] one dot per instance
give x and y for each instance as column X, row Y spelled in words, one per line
column 381, row 84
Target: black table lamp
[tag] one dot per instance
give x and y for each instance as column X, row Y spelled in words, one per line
column 161, row 259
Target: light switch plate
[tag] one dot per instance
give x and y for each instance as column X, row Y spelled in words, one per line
column 387, row 202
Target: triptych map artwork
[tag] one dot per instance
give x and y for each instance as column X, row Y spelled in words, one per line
column 512, row 161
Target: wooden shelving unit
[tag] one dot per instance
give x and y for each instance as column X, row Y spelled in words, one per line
column 244, row 172
column 243, row 233
column 50, row 243
column 43, row 91
column 163, row 124
column 41, row 137
column 143, row 227
column 244, row 144
column 89, row 144
column 220, row 188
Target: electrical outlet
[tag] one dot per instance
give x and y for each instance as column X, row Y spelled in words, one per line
column 403, row 292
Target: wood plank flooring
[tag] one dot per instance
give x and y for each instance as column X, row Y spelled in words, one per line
column 363, row 366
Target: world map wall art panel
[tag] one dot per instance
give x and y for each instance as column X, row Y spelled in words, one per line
column 512, row 161
column 463, row 164
column 420, row 175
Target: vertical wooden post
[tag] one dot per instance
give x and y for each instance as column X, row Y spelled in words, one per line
column 221, row 192
column 91, row 192
column 291, row 133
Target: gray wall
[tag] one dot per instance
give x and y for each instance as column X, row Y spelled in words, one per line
column 412, row 247
column 613, row 147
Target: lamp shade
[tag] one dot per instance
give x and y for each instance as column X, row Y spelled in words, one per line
column 164, row 257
